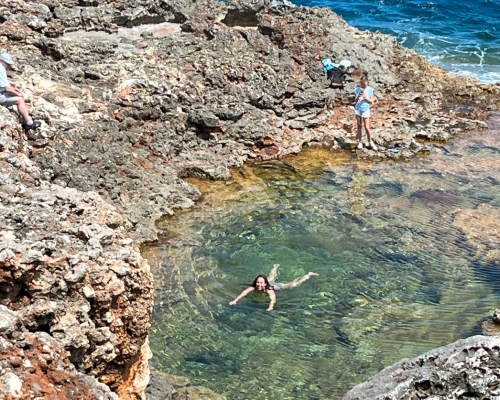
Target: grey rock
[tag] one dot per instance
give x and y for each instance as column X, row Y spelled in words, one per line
column 158, row 388
column 204, row 119
column 446, row 372
column 496, row 316
column 282, row 7
column 88, row 292
column 121, row 270
column 98, row 389
column 204, row 171
column 77, row 274
column 243, row 12
column 89, row 231
column 12, row 384
column 8, row 320
column 101, row 335
column 6, row 255
column 346, row 143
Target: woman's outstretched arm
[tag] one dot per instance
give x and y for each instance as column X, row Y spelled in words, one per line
column 272, row 296
column 243, row 294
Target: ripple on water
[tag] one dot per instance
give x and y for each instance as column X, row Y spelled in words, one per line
column 401, row 267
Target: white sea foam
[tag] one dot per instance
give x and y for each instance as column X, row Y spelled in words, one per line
column 485, row 73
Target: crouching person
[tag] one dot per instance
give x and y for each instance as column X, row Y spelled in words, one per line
column 9, row 95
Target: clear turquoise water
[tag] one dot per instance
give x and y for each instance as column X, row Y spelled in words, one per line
column 399, row 274
column 459, row 35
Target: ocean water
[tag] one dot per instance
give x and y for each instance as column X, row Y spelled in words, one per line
column 407, row 256
column 462, row 36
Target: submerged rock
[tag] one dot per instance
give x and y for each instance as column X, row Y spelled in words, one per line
column 170, row 387
column 481, row 227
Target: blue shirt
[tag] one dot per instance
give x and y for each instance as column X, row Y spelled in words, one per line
column 328, row 64
column 4, row 81
column 363, row 105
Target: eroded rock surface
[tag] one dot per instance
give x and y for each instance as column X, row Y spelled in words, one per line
column 68, row 271
column 36, row 365
column 465, row 369
column 130, row 109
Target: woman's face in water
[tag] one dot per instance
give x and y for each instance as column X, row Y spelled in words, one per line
column 260, row 284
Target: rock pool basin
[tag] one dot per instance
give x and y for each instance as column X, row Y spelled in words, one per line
column 407, row 256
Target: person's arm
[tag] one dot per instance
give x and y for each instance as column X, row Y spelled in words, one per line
column 243, row 294
column 272, row 296
column 369, row 99
column 12, row 89
column 372, row 98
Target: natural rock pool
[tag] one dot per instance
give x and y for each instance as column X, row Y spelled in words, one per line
column 407, row 256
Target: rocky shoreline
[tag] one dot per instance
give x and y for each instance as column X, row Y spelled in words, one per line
column 136, row 96
column 464, row 369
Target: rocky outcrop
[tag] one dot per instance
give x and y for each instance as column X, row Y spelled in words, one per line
column 68, row 270
column 129, row 112
column 36, row 365
column 465, row 369
column 130, row 109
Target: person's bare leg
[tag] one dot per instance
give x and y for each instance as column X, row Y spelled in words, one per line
column 360, row 127
column 298, row 281
column 273, row 275
column 367, row 129
column 21, row 106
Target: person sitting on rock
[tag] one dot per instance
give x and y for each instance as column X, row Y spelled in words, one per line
column 267, row 285
column 9, row 95
column 364, row 99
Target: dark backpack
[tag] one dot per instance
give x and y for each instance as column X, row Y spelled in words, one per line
column 336, row 75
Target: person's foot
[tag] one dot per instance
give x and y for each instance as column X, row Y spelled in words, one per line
column 373, row 146
column 33, row 125
column 360, row 145
column 313, row 274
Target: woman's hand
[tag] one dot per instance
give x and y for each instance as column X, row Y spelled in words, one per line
column 232, row 303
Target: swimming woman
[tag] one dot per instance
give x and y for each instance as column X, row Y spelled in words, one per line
column 264, row 284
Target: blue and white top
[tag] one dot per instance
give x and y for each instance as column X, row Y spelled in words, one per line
column 363, row 105
column 328, row 64
column 4, row 81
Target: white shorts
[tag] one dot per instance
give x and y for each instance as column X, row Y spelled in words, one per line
column 362, row 114
column 7, row 100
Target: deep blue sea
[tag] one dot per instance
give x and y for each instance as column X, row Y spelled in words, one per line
column 462, row 36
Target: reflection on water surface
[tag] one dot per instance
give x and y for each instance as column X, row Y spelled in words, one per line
column 407, row 255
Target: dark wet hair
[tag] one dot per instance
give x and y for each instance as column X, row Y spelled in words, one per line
column 268, row 285
column 364, row 78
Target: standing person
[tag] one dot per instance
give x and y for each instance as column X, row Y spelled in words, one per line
column 9, row 95
column 263, row 284
column 364, row 99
